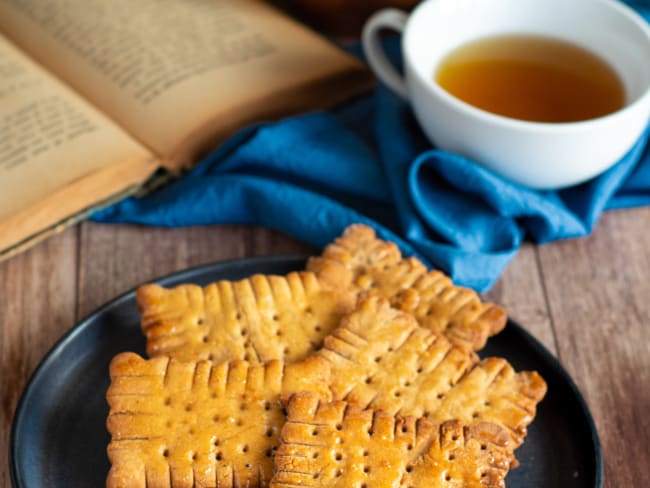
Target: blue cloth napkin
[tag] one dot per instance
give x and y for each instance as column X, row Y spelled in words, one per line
column 367, row 161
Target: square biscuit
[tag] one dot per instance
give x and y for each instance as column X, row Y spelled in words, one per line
column 381, row 359
column 339, row 444
column 369, row 265
column 255, row 319
column 195, row 424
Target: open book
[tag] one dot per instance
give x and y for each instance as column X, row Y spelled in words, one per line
column 96, row 95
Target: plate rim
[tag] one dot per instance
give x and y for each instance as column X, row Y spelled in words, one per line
column 79, row 326
column 560, row 370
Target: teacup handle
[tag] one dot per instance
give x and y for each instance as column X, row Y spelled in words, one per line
column 387, row 18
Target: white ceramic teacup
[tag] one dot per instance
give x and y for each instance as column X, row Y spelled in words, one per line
column 539, row 155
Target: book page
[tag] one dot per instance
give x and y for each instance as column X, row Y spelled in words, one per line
column 177, row 72
column 49, row 138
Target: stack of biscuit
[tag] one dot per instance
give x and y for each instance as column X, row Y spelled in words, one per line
column 360, row 371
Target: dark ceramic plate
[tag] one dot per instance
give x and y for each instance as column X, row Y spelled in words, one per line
column 59, row 437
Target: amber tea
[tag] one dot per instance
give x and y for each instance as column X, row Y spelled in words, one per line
column 532, row 78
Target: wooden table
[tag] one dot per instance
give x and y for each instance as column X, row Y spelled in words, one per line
column 587, row 300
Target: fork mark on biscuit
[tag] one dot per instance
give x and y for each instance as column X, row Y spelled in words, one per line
column 378, row 449
column 414, row 371
column 377, row 266
column 204, row 420
column 259, row 318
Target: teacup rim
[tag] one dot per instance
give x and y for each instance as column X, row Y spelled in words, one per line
column 522, row 124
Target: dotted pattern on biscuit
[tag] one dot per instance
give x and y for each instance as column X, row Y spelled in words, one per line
column 256, row 319
column 341, row 445
column 195, row 424
column 375, row 266
column 381, row 359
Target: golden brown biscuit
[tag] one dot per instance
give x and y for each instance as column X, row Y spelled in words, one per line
column 256, row 319
column 342, row 445
column 381, row 359
column 376, row 266
column 195, row 424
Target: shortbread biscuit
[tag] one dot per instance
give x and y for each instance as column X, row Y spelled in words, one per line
column 381, row 359
column 342, row 445
column 256, row 319
column 195, row 424
column 371, row 265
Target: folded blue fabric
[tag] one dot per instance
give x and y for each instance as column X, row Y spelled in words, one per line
column 367, row 161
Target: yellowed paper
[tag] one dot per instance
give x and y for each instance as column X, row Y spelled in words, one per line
column 180, row 74
column 49, row 137
column 58, row 155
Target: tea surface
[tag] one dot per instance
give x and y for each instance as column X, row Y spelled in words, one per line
column 532, row 78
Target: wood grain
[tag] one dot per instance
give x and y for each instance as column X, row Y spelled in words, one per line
column 588, row 300
column 115, row 259
column 37, row 306
column 521, row 292
column 599, row 297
